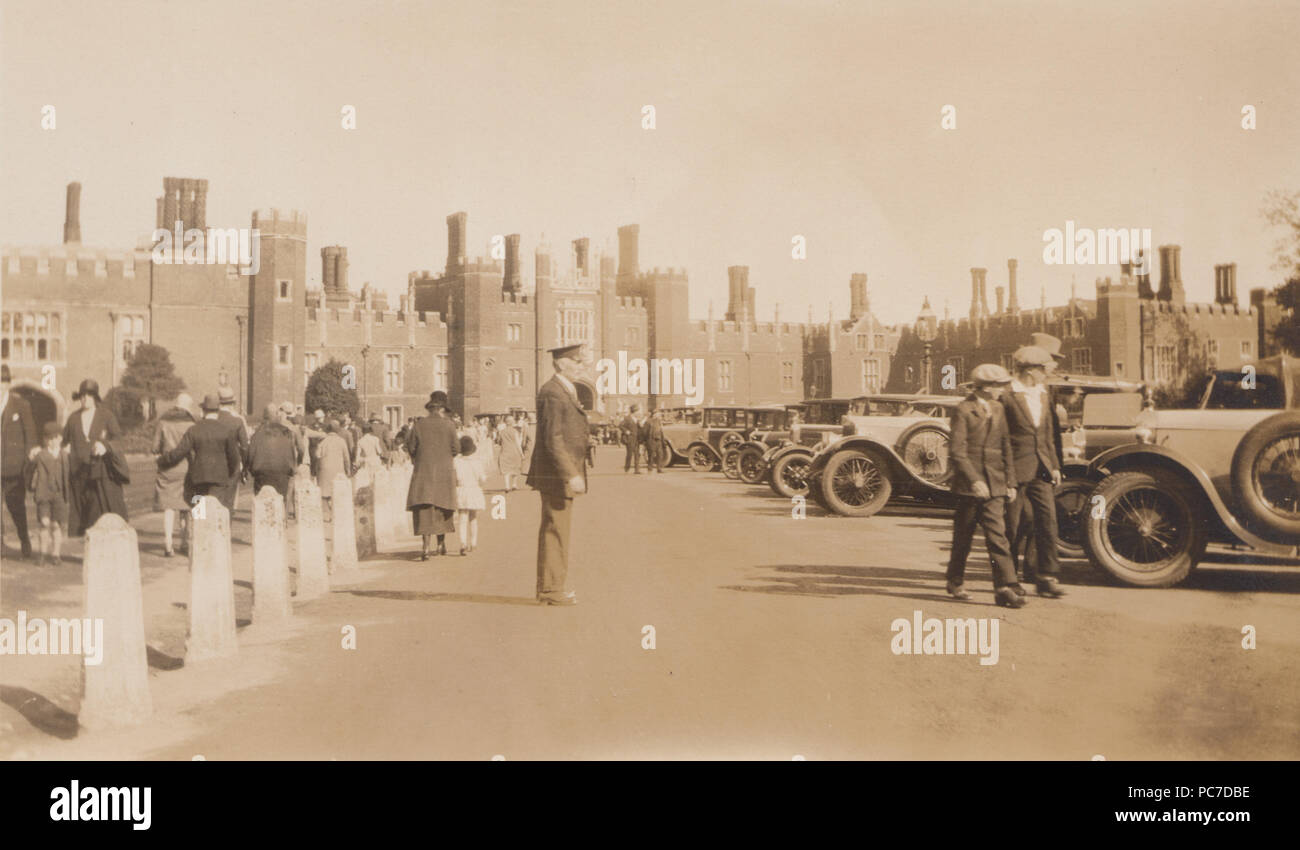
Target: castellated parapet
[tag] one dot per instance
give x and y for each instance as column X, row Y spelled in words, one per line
column 281, row 223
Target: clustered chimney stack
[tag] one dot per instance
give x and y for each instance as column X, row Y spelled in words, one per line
column 1013, row 301
column 327, row 257
column 1225, row 284
column 183, row 200
column 1171, row 273
column 740, row 301
column 72, row 216
column 979, row 303
column 456, row 240
column 859, row 305
column 510, row 280
column 999, row 291
column 341, row 271
column 581, row 251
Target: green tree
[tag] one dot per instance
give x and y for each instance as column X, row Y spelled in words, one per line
column 326, row 391
column 149, row 377
column 1282, row 209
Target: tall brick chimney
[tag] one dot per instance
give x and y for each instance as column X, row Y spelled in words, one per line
column 186, row 204
column 628, row 237
column 738, row 293
column 510, row 281
column 999, row 291
column 327, row 256
column 974, row 294
column 456, row 226
column 859, row 305
column 201, row 204
column 171, row 203
column 984, row 298
column 1013, row 300
column 1225, row 284
column 1230, row 272
column 581, row 253
column 341, row 270
column 1143, row 270
column 1171, row 274
column 72, row 216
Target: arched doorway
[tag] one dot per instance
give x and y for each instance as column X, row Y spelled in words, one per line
column 47, row 405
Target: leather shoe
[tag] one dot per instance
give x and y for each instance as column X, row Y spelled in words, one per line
column 956, row 591
column 1019, row 589
column 1008, row 598
column 558, row 598
column 1050, row 588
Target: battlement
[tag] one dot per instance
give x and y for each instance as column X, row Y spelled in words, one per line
column 675, row 275
column 630, row 302
column 378, row 318
column 1199, row 310
column 74, row 261
column 276, row 222
column 517, row 298
column 480, row 266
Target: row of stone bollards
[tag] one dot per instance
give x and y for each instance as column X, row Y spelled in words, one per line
column 369, row 517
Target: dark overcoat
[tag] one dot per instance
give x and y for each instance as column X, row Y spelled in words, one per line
column 94, row 491
column 561, row 449
column 980, row 448
column 432, row 444
column 19, row 435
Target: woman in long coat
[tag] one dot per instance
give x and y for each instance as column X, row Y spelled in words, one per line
column 332, row 461
column 169, row 491
column 95, row 488
column 431, row 499
column 511, row 449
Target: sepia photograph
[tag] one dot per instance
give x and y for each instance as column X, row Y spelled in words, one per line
column 683, row 381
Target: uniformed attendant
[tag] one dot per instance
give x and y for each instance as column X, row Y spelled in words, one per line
column 980, row 454
column 1036, row 449
column 558, row 471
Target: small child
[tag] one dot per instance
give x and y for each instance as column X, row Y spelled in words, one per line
column 49, row 485
column 470, row 477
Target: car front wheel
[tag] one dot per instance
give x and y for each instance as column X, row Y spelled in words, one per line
column 856, row 483
column 700, row 458
column 1144, row 531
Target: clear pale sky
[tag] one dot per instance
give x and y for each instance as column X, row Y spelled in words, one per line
column 773, row 119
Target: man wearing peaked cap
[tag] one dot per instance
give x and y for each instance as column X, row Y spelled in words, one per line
column 1036, row 449
column 980, row 453
column 558, row 470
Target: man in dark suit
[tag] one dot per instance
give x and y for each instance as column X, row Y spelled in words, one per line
column 18, row 433
column 558, row 471
column 980, row 453
column 229, row 414
column 630, row 430
column 655, row 442
column 212, row 447
column 1036, row 447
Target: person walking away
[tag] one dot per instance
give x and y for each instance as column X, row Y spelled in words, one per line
column 431, row 497
column 1036, row 448
column 170, row 485
column 510, row 455
column 370, row 453
column 557, row 471
column 470, row 477
column 655, row 441
column 274, row 453
column 983, row 481
column 233, row 419
column 332, row 461
column 630, row 430
column 212, row 449
column 49, row 488
column 96, row 486
column 18, row 443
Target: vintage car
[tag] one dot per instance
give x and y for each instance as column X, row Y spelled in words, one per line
column 785, row 466
column 772, row 424
column 1227, row 474
column 681, row 424
column 702, row 443
column 888, row 444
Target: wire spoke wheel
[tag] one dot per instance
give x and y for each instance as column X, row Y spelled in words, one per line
column 925, row 451
column 790, row 475
column 1276, row 476
column 1147, row 532
column 856, row 483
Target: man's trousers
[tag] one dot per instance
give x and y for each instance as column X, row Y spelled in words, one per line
column 988, row 514
column 553, row 542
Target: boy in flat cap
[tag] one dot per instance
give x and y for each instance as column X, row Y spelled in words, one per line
column 558, row 471
column 980, row 452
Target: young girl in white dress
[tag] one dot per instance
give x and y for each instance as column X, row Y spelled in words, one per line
column 470, row 477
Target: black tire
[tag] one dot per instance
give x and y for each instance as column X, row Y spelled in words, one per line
column 730, row 463
column 856, row 483
column 924, row 450
column 1149, row 533
column 1266, row 477
column 789, row 476
column 1073, row 498
column 701, row 458
column 750, row 464
column 729, row 439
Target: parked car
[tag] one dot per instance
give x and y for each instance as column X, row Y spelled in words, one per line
column 786, row 465
column 890, row 443
column 701, row 443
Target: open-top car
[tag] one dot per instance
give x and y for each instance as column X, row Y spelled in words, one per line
column 889, row 443
column 1228, row 474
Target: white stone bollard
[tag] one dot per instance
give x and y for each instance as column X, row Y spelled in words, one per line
column 400, row 516
column 212, row 584
column 115, row 674
column 344, row 553
column 272, row 599
column 313, row 573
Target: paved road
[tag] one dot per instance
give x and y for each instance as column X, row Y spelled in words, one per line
column 772, row 639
